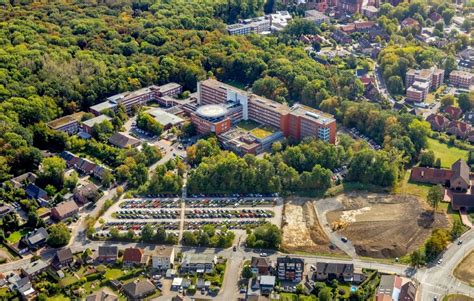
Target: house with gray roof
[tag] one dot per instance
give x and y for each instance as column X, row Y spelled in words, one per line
column 137, row 290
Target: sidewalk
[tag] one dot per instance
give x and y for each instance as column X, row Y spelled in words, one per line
column 464, row 218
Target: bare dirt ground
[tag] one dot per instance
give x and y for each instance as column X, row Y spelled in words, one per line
column 465, row 269
column 5, row 254
column 301, row 229
column 383, row 225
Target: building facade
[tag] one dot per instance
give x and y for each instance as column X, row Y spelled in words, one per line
column 461, row 79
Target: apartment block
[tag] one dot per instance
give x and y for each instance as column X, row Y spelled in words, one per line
column 461, row 79
column 68, row 124
column 418, row 91
column 309, row 122
column 290, row 269
column 432, row 76
column 256, row 25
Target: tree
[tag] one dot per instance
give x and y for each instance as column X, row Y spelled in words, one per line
column 447, row 100
column 247, row 272
column 457, row 229
column 34, row 221
column 107, row 178
column 465, row 101
column 435, row 196
column 395, row 84
column 59, row 235
column 427, row 158
column 52, row 172
column 325, row 295
column 147, row 234
column 147, row 123
column 417, row 258
column 436, row 243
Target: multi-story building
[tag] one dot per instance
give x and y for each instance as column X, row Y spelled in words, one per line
column 290, row 269
column 137, row 98
column 461, row 79
column 418, row 91
column 256, row 25
column 68, row 124
column 316, row 16
column 223, row 105
column 432, row 76
column 350, row 6
column 320, row 5
column 163, row 258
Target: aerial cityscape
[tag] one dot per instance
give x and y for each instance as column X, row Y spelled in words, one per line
column 293, row 150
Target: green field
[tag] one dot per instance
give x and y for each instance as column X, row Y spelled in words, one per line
column 407, row 187
column 447, row 154
column 68, row 280
column 112, row 274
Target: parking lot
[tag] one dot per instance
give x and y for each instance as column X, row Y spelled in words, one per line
column 235, row 213
column 357, row 135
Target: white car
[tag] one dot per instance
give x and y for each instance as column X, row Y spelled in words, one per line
column 263, row 254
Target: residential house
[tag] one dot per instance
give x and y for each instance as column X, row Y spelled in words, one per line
column 438, row 122
column 123, row 140
column 266, row 284
column 133, row 256
column 138, row 290
column 163, row 258
column 349, row 6
column 35, row 193
column 34, row 268
column 469, row 117
column 454, row 113
column 390, row 286
column 410, row 23
column 5, row 209
column 23, row 286
column 459, row 129
column 86, row 193
column 64, row 210
column 102, row 295
column 462, row 201
column 340, row 271
column 408, row 292
column 107, row 253
column 261, row 265
column 24, row 179
column 197, row 263
column 290, row 269
column 63, row 258
column 341, row 37
column 35, row 239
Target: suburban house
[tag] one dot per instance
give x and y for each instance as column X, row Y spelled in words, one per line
column 438, row 122
column 63, row 258
column 133, row 256
column 340, row 271
column 23, row 286
column 266, row 283
column 123, row 140
column 81, row 165
column 107, row 253
column 162, row 258
column 460, row 201
column 261, row 265
column 86, row 193
column 290, row 269
column 459, row 129
column 454, row 113
column 390, row 286
column 198, row 263
column 34, row 268
column 408, row 292
column 64, row 210
column 33, row 192
column 36, row 239
column 138, row 290
column 456, row 178
column 24, row 179
column 102, row 295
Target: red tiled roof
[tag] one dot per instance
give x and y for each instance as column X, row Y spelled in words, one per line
column 437, row 119
column 434, row 175
column 454, row 112
column 133, row 255
column 459, row 125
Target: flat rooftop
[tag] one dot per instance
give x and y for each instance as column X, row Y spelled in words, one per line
column 262, row 101
column 65, row 120
column 164, row 118
column 310, row 113
column 99, row 119
column 103, row 106
column 211, row 111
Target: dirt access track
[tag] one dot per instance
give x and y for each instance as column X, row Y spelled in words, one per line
column 301, row 229
column 465, row 269
column 383, row 225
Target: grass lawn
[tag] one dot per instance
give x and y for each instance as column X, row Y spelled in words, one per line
column 68, row 280
column 295, row 297
column 15, row 236
column 247, row 125
column 447, row 154
column 407, row 187
column 263, row 131
column 41, row 211
column 456, row 298
column 112, row 274
column 4, row 293
column 347, row 291
column 60, row 297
